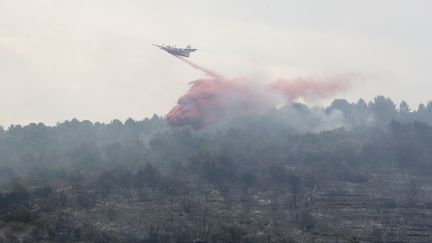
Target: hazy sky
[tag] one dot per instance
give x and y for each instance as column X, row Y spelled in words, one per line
column 93, row 59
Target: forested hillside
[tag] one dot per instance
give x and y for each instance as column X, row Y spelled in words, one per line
column 350, row 172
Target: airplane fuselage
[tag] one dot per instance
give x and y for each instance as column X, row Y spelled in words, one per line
column 183, row 52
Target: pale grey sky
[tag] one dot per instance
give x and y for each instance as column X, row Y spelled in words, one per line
column 93, row 59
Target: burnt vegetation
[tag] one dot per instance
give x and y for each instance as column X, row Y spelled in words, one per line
column 252, row 180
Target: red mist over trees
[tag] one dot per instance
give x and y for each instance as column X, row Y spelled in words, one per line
column 211, row 99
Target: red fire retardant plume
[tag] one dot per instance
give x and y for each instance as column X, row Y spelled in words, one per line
column 303, row 88
column 211, row 99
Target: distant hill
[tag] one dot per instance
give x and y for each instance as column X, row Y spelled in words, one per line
column 344, row 173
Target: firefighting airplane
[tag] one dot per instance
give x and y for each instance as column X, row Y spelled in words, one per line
column 183, row 52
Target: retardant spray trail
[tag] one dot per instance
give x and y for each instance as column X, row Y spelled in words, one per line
column 213, row 99
column 203, row 69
